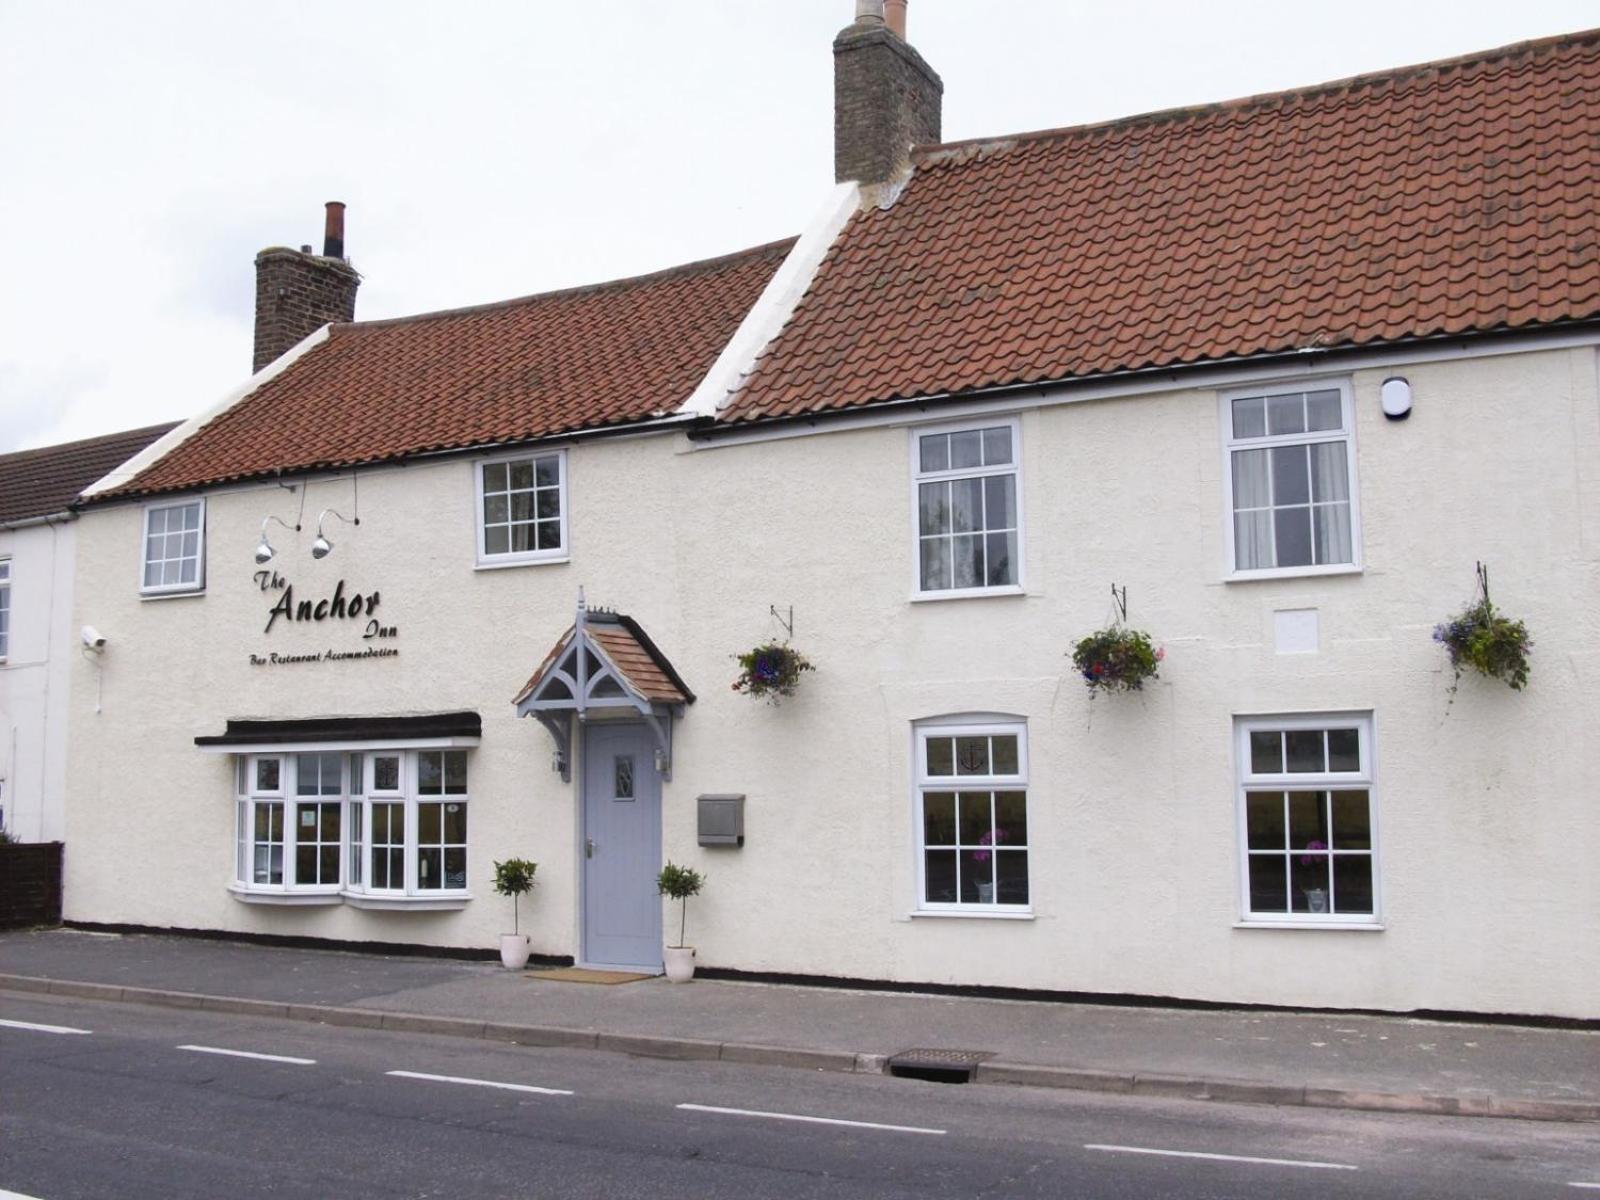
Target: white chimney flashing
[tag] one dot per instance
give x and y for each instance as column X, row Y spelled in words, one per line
column 771, row 312
column 171, row 440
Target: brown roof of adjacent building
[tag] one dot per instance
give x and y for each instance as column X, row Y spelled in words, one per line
column 586, row 358
column 1449, row 198
column 44, row 482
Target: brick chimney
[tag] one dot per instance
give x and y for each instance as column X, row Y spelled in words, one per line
column 886, row 99
column 298, row 292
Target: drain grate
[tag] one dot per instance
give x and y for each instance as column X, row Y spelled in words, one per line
column 937, row 1066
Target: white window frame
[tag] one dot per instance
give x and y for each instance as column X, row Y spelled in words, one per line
column 1230, row 444
column 967, row 725
column 287, row 796
column 519, row 558
column 919, row 477
column 5, row 608
column 172, row 589
column 1366, row 778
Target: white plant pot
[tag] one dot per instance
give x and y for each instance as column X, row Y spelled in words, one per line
column 514, row 948
column 680, row 963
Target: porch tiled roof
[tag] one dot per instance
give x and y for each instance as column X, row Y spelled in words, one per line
column 624, row 642
column 1448, row 198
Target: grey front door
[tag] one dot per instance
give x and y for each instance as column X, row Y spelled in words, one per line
column 621, row 846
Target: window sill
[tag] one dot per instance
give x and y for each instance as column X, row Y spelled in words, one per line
column 967, row 594
column 1293, row 573
column 185, row 594
column 944, row 914
column 499, row 565
column 448, row 903
column 1357, row 926
column 290, row 899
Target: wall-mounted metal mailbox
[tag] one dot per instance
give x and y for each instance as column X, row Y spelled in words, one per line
column 722, row 820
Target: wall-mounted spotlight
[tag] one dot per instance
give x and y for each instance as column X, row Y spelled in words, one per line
column 264, row 551
column 321, row 547
column 1396, row 397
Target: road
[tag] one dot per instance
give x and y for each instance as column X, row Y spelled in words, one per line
column 176, row 1103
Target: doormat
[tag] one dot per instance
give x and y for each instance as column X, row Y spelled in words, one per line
column 587, row 975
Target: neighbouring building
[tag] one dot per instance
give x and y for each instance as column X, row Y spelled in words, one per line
column 1279, row 371
column 38, row 641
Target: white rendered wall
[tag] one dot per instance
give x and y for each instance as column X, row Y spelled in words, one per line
column 34, row 680
column 1490, row 835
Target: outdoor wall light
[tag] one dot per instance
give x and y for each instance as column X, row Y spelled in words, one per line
column 321, row 547
column 264, row 551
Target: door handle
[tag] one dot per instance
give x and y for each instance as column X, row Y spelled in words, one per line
column 588, row 847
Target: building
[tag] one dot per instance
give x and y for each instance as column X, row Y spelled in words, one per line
column 1279, row 371
column 38, row 640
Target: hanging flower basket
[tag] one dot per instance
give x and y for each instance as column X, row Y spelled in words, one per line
column 1480, row 638
column 771, row 671
column 1117, row 659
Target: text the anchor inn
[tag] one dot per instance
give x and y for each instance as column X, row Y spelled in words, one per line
column 1281, row 370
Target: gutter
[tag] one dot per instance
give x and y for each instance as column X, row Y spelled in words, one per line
column 55, row 518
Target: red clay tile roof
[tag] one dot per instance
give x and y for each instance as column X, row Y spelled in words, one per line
column 608, row 354
column 630, row 650
column 1448, row 198
column 40, row 483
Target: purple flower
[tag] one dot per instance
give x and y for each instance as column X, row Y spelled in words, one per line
column 1309, row 860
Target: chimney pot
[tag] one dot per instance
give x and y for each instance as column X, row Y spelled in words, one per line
column 333, row 230
column 894, row 16
column 305, row 248
column 869, row 12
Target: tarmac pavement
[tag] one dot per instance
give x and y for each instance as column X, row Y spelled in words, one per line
column 1313, row 1059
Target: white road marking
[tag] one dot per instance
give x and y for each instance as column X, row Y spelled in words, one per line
column 39, row 1029
column 1594, row 1186
column 5, row 1195
column 777, row 1116
column 283, row 1058
column 488, row 1083
column 1238, row 1158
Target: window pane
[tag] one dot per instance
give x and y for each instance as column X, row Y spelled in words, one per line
column 329, row 832
column 1305, row 750
column 941, row 758
column 386, row 773
column 1011, row 876
column 996, row 446
column 1250, row 479
column 496, row 540
column 967, row 569
column 1286, row 414
column 1308, row 828
column 1011, row 818
column 547, row 471
column 158, row 521
column 1310, row 876
column 938, row 819
column 1291, row 483
column 328, row 871
column 547, row 504
column 1331, row 526
column 1330, row 475
column 1352, row 821
column 1002, row 548
column 977, row 877
column 494, row 477
column 1292, row 527
column 430, row 773
column 1344, row 749
column 1352, row 884
column 1264, row 821
column 191, row 545
column 522, row 506
column 973, row 827
column 357, row 775
column 966, row 449
column 1266, row 752
column 523, row 538
column 455, row 867
column 1269, row 884
column 939, row 876
column 1249, row 418
column 305, row 864
column 936, row 565
column 455, row 823
column 1323, row 411
column 623, row 773
column 972, row 756
column 429, row 872
column 428, row 823
column 1000, row 502
column 935, row 452
column 455, row 772
column 549, row 535
column 1003, row 747
column 266, row 774
column 496, row 510
column 933, row 508
column 1252, row 540
column 966, row 504
column 521, row 474
column 241, row 775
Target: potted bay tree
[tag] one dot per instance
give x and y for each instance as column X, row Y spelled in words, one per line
column 679, row 883
column 514, row 878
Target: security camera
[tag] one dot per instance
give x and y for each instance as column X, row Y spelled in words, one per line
column 93, row 639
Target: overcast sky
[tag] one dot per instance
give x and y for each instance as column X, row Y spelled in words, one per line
column 149, row 149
